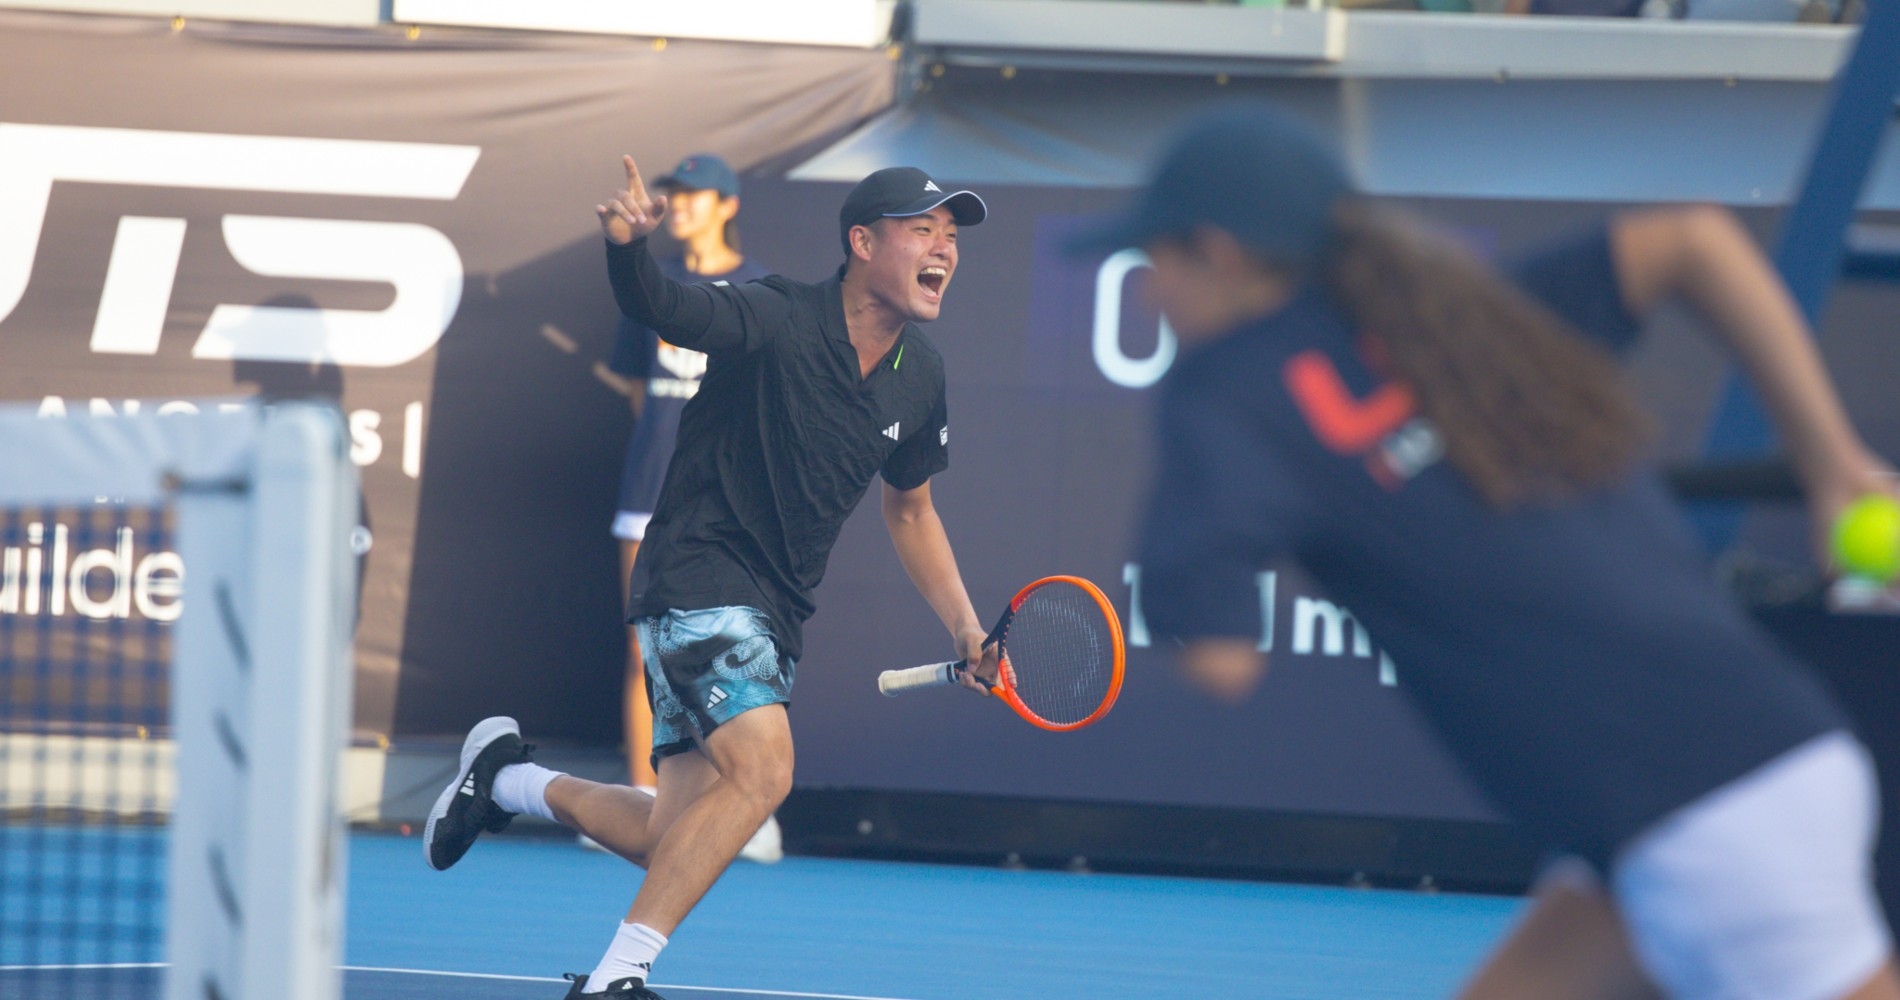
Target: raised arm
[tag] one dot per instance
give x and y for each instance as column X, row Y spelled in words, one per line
column 708, row 318
column 1703, row 255
column 924, row 549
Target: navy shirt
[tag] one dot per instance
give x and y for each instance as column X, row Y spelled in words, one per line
column 672, row 375
column 779, row 444
column 1576, row 657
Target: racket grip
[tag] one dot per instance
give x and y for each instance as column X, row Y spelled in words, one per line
column 891, row 682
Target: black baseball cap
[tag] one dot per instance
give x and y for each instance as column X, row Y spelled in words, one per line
column 702, row 172
column 1247, row 169
column 895, row 192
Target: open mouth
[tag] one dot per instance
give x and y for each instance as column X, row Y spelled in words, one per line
column 933, row 278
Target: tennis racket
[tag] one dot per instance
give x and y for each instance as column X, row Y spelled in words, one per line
column 1060, row 656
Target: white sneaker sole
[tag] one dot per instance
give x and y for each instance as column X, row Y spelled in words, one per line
column 484, row 733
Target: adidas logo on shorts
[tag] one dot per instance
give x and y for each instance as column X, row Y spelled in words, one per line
column 718, row 695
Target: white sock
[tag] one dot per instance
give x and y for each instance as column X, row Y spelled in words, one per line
column 630, row 956
column 523, row 788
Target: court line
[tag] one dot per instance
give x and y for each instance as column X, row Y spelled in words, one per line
column 81, row 968
column 767, row 993
column 657, row 986
column 476, row 975
column 463, row 975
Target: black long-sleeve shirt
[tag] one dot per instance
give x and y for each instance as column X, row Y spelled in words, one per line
column 780, row 443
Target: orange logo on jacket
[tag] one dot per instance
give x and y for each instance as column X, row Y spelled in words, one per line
column 1383, row 426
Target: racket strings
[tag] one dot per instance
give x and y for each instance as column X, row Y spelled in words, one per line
column 1061, row 653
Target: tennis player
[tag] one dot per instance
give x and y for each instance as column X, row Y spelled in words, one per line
column 702, row 209
column 1452, row 455
column 810, row 391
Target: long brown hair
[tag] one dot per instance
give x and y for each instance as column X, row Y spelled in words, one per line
column 1527, row 408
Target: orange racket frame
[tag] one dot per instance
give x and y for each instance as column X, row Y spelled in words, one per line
column 1006, row 689
column 892, row 682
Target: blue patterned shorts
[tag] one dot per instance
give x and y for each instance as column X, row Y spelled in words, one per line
column 706, row 668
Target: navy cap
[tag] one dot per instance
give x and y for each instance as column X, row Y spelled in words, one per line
column 702, row 172
column 903, row 191
column 1249, row 170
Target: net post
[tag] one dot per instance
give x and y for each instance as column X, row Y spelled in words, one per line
column 261, row 702
column 304, row 613
column 252, row 508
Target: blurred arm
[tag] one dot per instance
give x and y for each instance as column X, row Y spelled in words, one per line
column 1703, row 255
column 1223, row 502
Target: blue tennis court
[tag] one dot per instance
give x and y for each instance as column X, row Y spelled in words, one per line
column 521, row 910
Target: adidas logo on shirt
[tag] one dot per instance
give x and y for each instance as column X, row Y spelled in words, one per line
column 891, row 431
column 468, row 787
column 718, row 695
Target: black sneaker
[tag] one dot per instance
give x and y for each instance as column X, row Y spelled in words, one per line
column 464, row 810
column 619, row 989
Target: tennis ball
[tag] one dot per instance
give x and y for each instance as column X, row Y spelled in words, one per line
column 1867, row 538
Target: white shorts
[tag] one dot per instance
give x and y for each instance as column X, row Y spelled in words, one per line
column 1763, row 888
column 631, row 525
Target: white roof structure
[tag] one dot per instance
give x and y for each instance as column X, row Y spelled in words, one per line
column 1079, row 93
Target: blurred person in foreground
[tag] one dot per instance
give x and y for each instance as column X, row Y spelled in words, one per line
column 1452, row 454
column 811, row 392
column 702, row 209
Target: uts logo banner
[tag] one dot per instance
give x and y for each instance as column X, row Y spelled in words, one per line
column 401, row 227
column 418, row 261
